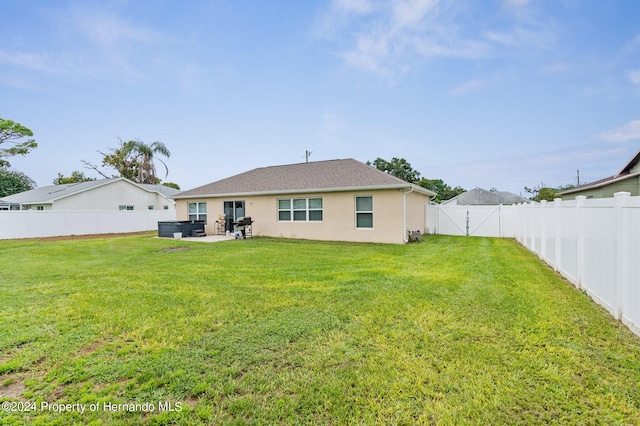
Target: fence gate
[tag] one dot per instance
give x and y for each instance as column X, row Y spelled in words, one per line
column 474, row 221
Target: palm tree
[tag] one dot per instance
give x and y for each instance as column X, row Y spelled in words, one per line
column 145, row 155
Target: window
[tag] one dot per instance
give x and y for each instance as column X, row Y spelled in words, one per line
column 198, row 211
column 125, row 207
column 284, row 210
column 149, row 207
column 300, row 209
column 40, row 208
column 165, row 207
column 315, row 209
column 364, row 211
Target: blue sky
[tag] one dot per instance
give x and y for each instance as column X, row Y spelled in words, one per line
column 492, row 93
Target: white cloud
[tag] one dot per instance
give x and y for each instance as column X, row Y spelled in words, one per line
column 106, row 28
column 410, row 13
column 94, row 43
column 353, row 6
column 524, row 34
column 388, row 38
column 384, row 38
column 59, row 63
column 628, row 132
column 28, row 60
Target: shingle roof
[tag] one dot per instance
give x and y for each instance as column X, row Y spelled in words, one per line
column 334, row 175
column 48, row 194
column 479, row 196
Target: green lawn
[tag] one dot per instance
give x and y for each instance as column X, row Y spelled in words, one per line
column 449, row 331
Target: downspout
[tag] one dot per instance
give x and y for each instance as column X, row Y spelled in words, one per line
column 405, row 237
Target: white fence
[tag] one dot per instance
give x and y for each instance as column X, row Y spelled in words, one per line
column 594, row 243
column 475, row 221
column 53, row 223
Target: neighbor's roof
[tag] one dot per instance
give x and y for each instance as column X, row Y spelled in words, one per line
column 331, row 175
column 51, row 193
column 479, row 196
column 623, row 174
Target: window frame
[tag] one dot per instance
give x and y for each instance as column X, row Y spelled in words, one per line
column 288, row 213
column 199, row 213
column 363, row 212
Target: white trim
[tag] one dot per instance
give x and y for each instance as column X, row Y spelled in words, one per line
column 311, row 191
column 307, row 209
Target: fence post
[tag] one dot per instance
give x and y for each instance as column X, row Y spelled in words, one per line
column 580, row 240
column 621, row 279
column 557, row 202
column 525, row 225
column 530, row 226
column 543, row 231
column 522, row 219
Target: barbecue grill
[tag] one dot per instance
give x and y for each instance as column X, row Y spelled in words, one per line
column 244, row 226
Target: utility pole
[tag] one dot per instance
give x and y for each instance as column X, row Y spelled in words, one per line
column 578, row 177
column 307, row 153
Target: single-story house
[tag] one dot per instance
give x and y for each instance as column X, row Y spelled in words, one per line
column 482, row 197
column 627, row 179
column 339, row 200
column 105, row 194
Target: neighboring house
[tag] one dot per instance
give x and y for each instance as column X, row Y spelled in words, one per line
column 106, row 194
column 627, row 180
column 482, row 197
column 340, row 200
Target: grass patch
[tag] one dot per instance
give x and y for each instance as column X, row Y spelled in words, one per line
column 262, row 331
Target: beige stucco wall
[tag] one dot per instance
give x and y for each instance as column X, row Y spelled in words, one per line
column 338, row 222
column 111, row 196
column 631, row 185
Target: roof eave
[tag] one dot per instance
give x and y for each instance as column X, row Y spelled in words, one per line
column 599, row 184
column 630, row 163
column 106, row 182
column 310, row 191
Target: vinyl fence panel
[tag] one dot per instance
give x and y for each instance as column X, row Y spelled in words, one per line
column 54, row 223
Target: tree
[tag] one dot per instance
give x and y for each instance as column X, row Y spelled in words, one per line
column 443, row 191
column 171, row 185
column 76, row 176
column 14, row 133
column 398, row 167
column 12, row 182
column 542, row 193
column 134, row 160
column 145, row 155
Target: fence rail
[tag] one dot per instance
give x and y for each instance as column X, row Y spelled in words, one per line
column 594, row 243
column 54, row 223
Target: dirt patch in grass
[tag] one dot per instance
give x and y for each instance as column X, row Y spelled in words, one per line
column 172, row 249
column 12, row 388
column 93, row 347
